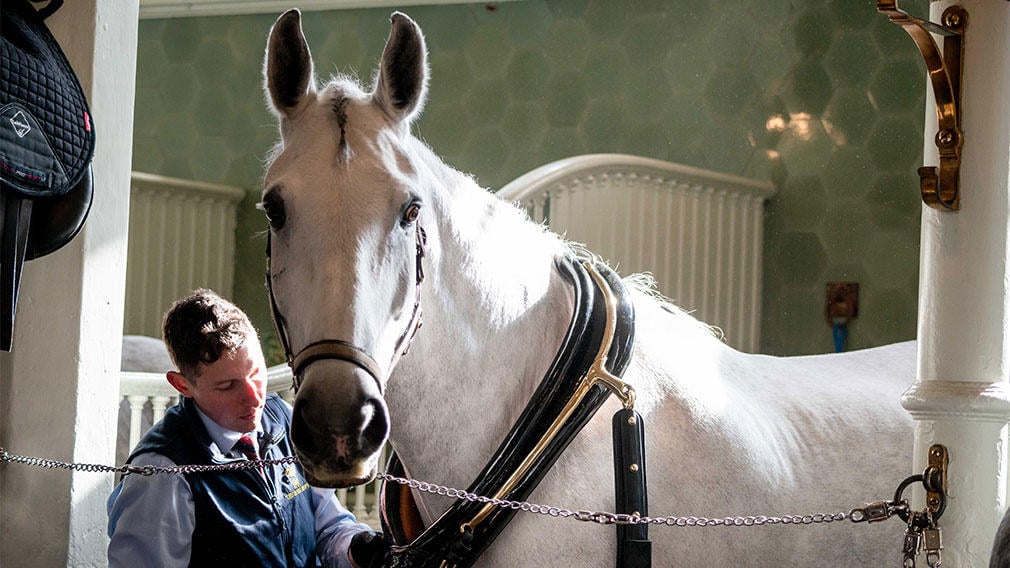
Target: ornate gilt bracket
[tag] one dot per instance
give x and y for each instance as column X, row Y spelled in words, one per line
column 939, row 185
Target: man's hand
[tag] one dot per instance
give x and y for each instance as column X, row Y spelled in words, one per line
column 368, row 549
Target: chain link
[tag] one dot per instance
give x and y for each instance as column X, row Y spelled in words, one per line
column 604, row 518
column 598, row 517
column 6, row 456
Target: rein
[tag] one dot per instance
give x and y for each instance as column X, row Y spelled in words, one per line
column 343, row 350
column 595, row 352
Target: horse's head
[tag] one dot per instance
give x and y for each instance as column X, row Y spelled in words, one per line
column 345, row 211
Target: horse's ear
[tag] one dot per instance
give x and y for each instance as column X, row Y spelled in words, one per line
column 288, row 63
column 402, row 83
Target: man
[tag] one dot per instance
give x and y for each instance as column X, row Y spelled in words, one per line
column 265, row 516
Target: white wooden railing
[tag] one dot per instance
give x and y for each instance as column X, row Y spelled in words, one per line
column 148, row 395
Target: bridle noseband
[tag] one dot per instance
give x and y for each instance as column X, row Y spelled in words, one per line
column 343, row 350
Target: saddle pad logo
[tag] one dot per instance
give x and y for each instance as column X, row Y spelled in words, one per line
column 20, row 123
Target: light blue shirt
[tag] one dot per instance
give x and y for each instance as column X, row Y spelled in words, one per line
column 152, row 519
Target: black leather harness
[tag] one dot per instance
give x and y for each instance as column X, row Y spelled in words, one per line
column 582, row 376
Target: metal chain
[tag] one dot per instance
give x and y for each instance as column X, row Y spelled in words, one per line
column 602, row 518
column 6, row 456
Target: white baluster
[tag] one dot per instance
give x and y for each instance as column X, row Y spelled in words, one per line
column 136, row 414
column 159, row 404
column 360, row 510
column 342, row 497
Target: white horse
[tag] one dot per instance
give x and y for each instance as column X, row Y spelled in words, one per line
column 728, row 433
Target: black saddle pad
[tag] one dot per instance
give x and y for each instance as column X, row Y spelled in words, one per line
column 47, row 141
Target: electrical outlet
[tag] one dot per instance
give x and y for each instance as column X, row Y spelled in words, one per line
column 842, row 302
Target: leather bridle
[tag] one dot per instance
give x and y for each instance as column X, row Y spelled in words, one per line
column 339, row 349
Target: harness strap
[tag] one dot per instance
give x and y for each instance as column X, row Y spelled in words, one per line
column 634, row 549
column 466, row 529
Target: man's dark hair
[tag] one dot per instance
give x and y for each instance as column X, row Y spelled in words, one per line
column 202, row 326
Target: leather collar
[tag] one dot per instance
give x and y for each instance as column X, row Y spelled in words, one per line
column 454, row 539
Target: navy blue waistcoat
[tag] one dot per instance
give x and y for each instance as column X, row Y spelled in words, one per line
column 241, row 519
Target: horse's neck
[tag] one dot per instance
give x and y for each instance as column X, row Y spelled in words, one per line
column 495, row 311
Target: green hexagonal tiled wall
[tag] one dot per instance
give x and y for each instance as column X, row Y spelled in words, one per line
column 823, row 97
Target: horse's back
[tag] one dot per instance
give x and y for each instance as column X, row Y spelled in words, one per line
column 736, row 434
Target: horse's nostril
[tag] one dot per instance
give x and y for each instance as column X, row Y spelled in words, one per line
column 376, row 426
column 301, row 435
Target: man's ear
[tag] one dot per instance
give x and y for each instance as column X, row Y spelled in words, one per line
column 179, row 382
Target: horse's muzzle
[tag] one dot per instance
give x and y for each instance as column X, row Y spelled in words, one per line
column 339, row 425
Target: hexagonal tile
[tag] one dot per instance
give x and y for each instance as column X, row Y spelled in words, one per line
column 484, row 148
column 684, row 116
column 898, row 82
column 842, row 232
column 799, row 257
column 565, row 43
column 647, row 45
column 802, row 203
column 524, row 124
column 895, row 143
column 211, row 111
column 894, row 201
column 561, row 142
column 852, row 58
column 213, row 58
column 606, row 19
column 529, row 26
column 343, row 53
column 813, row 31
column 646, row 91
column 809, row 88
column 889, row 313
column 184, row 36
column 176, row 87
column 886, row 253
column 489, row 52
column 687, row 72
column 731, row 40
column 849, row 117
column 730, row 92
column 485, row 101
column 527, row 75
column 604, row 121
column 566, row 99
column 606, row 69
column 448, row 76
column 569, row 9
column 727, row 149
column 854, row 14
column 849, row 172
column 805, row 145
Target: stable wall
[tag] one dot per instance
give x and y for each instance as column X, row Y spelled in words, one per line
column 823, row 97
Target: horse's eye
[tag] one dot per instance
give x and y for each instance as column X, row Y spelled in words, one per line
column 411, row 214
column 273, row 206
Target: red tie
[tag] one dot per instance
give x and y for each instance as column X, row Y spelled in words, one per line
column 247, row 448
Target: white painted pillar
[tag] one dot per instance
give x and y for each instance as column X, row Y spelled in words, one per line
column 59, row 387
column 961, row 398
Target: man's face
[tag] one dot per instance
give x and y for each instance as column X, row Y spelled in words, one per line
column 231, row 390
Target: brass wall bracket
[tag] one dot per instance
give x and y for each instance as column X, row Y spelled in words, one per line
column 939, row 186
column 935, row 478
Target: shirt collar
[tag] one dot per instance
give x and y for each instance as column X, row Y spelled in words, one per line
column 223, row 439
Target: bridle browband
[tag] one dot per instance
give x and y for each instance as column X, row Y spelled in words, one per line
column 339, row 349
